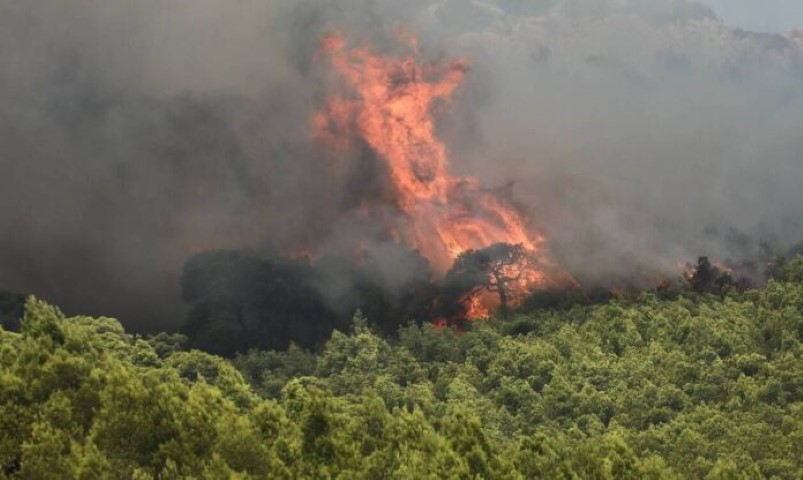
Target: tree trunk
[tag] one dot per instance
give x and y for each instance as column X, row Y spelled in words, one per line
column 502, row 299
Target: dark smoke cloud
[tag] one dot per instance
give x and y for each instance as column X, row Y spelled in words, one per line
column 134, row 134
column 120, row 146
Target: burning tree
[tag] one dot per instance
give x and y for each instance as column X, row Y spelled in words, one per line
column 386, row 103
column 389, row 108
column 501, row 268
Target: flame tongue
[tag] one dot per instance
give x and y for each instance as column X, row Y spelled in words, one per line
column 391, row 112
column 393, row 116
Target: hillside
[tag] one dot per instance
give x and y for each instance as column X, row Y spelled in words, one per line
column 695, row 387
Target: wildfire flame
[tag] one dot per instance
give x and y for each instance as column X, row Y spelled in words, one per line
column 390, row 108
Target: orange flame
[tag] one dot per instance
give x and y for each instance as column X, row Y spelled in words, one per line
column 390, row 109
column 479, row 306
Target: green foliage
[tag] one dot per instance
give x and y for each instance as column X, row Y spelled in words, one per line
column 695, row 387
column 269, row 371
column 785, row 270
column 165, row 344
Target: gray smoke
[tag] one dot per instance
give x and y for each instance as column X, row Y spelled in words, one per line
column 134, row 134
column 642, row 133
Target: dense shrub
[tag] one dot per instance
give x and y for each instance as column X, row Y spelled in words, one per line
column 700, row 386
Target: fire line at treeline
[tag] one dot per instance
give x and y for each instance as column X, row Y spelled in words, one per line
column 468, row 251
column 388, row 106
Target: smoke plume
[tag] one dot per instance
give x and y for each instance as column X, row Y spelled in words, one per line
column 636, row 134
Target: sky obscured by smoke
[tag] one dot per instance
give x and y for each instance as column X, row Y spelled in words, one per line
column 134, row 134
column 770, row 16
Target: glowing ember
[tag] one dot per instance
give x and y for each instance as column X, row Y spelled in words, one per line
column 479, row 305
column 390, row 109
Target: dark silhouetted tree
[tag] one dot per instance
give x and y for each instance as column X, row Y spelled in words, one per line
column 498, row 268
column 708, row 278
column 240, row 300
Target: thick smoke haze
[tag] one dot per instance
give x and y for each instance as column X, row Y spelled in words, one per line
column 638, row 133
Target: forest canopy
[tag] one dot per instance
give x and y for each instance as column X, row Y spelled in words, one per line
column 699, row 386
